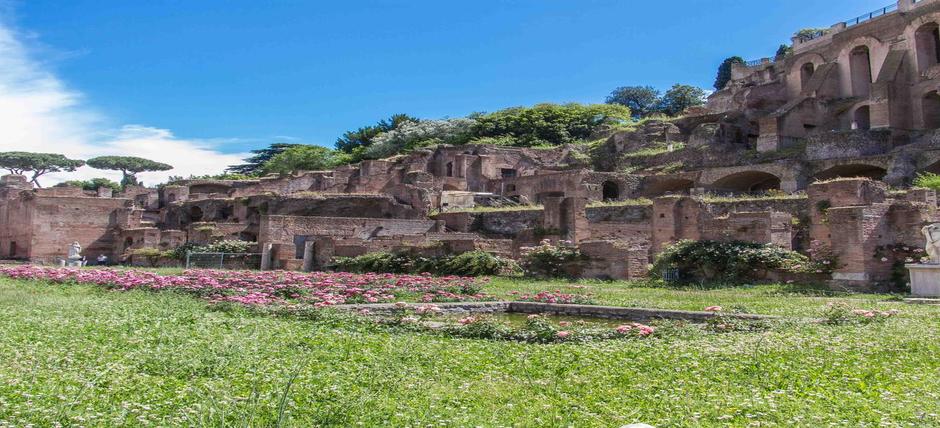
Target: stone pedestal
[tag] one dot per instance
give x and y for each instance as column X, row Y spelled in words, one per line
column 925, row 280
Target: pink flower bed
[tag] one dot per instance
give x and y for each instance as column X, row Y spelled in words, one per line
column 555, row 297
column 268, row 288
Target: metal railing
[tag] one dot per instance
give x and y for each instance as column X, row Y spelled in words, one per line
column 803, row 38
column 230, row 261
column 758, row 62
column 871, row 15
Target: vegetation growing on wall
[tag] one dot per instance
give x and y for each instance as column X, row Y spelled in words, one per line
column 91, row 185
column 927, row 181
column 732, row 262
column 474, row 263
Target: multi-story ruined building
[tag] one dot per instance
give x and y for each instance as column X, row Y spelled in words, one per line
column 859, row 99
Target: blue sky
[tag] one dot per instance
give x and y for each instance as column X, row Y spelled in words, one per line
column 237, row 74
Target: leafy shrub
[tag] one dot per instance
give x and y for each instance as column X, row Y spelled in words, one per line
column 373, row 262
column 228, row 246
column 549, row 261
column 549, row 124
column 728, row 261
column 474, row 263
column 410, row 135
column 838, row 313
column 928, row 181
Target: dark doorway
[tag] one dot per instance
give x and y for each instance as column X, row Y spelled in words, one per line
column 195, row 214
column 610, row 190
column 862, row 118
column 931, row 108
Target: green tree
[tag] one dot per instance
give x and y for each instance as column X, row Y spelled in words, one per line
column 129, row 166
column 37, row 163
column 724, row 71
column 784, row 50
column 680, row 98
column 253, row 164
column 92, row 184
column 304, row 158
column 642, row 100
column 354, row 142
column 549, row 124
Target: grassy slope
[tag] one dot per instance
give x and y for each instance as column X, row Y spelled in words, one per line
column 148, row 359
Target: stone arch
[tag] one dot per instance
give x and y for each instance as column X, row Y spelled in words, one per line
column 860, row 69
column 610, row 191
column 861, row 117
column 807, row 70
column 927, row 45
column 195, row 214
column 795, row 78
column 665, row 186
column 851, row 73
column 918, row 32
column 852, row 171
column 930, row 110
column 128, row 243
column 747, row 182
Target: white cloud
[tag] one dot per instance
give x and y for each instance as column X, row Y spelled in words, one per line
column 39, row 113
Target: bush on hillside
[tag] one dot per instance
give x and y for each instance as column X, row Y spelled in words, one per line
column 549, row 261
column 550, row 124
column 411, row 135
column 728, row 261
column 928, row 181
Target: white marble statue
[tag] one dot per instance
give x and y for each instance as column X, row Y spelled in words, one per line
column 75, row 252
column 932, row 233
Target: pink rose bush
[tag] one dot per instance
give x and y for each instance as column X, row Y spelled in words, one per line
column 635, row 329
column 556, row 297
column 319, row 289
column 842, row 313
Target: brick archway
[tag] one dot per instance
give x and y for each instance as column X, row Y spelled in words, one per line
column 747, row 182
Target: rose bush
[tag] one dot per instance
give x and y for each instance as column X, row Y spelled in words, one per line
column 267, row 288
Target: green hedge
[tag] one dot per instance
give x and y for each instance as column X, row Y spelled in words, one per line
column 474, row 263
column 728, row 261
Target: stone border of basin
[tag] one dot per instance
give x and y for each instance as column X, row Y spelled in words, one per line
column 588, row 311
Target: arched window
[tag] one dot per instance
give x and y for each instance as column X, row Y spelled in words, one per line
column 927, row 39
column 862, row 118
column 450, row 169
column 806, row 74
column 195, row 214
column 860, row 64
column 931, row 110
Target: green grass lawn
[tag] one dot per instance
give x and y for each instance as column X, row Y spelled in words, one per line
column 80, row 356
